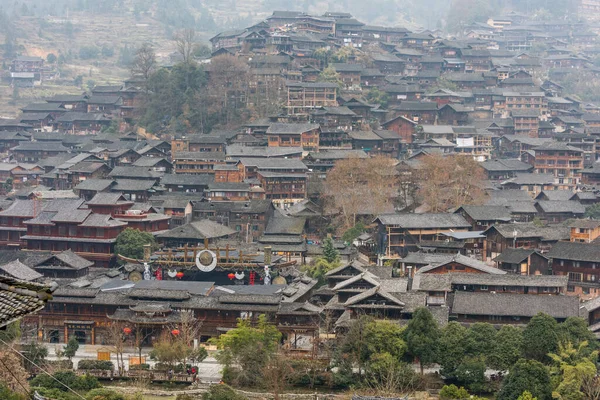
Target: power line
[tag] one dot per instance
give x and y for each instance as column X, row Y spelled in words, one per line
column 40, row 368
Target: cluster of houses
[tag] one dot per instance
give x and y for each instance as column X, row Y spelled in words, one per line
column 69, row 190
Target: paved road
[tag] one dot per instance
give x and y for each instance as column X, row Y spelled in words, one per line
column 208, row 371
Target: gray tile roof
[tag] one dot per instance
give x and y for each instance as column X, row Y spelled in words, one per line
column 290, row 129
column 520, row 305
column 575, row 251
column 94, row 184
column 555, row 195
column 187, row 179
column 204, row 229
column 507, row 165
column 413, row 221
column 487, row 213
column 569, row 206
column 529, row 230
column 17, row 270
column 463, row 260
column 68, row 258
column 515, row 256
column 19, row 299
column 133, row 185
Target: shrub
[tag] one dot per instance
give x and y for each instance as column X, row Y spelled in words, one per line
column 222, row 392
column 452, row 392
column 139, row 366
column 96, row 364
column 104, row 394
column 68, row 378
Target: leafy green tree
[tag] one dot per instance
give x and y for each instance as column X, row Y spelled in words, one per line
column 330, row 253
column 319, row 268
column 571, row 367
column 245, row 350
column 422, row 336
column 593, row 211
column 452, row 348
column 353, row 232
column 526, row 375
column 384, row 336
column 540, row 337
column 330, row 75
column 471, row 373
column 377, row 96
column 481, row 341
column 575, row 330
column 51, row 58
column 368, row 338
column 507, row 348
column 71, row 348
column 130, row 243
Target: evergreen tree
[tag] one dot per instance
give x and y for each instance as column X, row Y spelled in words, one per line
column 422, row 336
column 526, row 375
column 330, row 253
column 540, row 337
column 71, row 348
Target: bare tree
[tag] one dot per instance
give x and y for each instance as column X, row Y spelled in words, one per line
column 116, row 338
column 276, row 373
column 144, row 63
column 361, row 186
column 184, row 40
column 189, row 330
column 447, row 182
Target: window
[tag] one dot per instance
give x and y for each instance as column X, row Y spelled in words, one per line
column 575, row 276
column 484, row 287
column 100, row 232
column 73, row 230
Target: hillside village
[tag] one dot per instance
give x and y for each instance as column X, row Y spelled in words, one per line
column 323, row 172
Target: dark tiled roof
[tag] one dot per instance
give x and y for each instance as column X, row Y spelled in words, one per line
column 409, row 221
column 520, row 305
column 483, row 213
column 41, row 146
column 94, row 184
column 187, row 179
column 515, row 256
column 575, row 251
column 569, row 206
column 17, row 270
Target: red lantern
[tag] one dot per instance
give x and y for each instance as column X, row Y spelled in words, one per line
column 175, row 332
column 127, row 331
column 179, row 275
column 231, row 275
